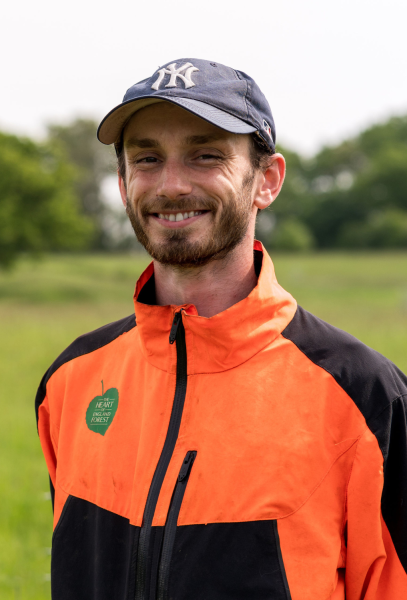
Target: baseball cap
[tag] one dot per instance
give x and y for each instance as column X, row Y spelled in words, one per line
column 225, row 97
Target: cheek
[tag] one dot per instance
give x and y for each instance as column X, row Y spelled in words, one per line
column 217, row 186
column 138, row 187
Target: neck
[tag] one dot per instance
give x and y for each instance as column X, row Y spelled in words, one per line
column 212, row 288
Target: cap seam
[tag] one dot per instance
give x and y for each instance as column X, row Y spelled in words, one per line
column 245, row 95
column 248, row 102
column 236, row 75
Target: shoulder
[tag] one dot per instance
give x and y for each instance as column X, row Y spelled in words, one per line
column 379, row 390
column 371, row 380
column 85, row 344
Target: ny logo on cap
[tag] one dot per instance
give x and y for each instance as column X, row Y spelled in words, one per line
column 174, row 73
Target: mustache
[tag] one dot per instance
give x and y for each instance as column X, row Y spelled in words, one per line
column 159, row 205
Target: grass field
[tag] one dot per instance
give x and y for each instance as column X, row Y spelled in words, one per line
column 45, row 305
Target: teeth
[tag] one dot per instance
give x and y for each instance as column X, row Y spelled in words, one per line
column 179, row 216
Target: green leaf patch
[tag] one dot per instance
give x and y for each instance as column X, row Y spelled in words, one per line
column 102, row 410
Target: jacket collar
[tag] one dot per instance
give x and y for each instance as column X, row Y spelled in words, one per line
column 223, row 341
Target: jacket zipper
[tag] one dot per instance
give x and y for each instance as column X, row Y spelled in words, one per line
column 171, row 525
column 177, row 335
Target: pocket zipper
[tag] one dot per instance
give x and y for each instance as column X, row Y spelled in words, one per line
column 171, row 524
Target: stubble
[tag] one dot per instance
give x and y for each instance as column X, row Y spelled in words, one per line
column 177, row 249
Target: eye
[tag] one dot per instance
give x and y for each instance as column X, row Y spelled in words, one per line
column 208, row 156
column 146, row 160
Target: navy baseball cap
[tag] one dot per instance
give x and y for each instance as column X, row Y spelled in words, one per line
column 225, row 97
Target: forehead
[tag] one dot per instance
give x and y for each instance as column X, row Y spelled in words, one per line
column 167, row 122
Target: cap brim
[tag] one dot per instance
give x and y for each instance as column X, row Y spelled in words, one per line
column 112, row 125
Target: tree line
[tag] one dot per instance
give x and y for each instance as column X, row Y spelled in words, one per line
column 349, row 196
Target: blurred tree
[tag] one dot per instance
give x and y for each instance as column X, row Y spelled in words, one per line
column 292, row 235
column 382, row 229
column 351, row 182
column 39, row 210
column 93, row 162
column 282, row 225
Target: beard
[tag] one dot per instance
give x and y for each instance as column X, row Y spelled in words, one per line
column 177, row 249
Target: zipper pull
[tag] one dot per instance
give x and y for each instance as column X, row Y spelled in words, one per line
column 186, row 465
column 174, row 326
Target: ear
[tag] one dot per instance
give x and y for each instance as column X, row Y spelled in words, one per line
column 122, row 188
column 270, row 182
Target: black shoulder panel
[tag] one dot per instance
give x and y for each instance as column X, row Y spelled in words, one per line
column 379, row 390
column 85, row 344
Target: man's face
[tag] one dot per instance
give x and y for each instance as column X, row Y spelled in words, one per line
column 189, row 185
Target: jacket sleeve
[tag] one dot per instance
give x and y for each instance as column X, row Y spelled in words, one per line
column 47, row 444
column 42, row 411
column 376, row 562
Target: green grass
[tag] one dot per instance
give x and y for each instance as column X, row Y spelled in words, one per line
column 45, row 305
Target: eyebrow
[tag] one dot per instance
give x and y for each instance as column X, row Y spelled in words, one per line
column 192, row 140
column 141, row 143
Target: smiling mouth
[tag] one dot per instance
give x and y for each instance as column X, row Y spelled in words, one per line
column 180, row 216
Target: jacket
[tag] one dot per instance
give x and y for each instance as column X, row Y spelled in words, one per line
column 257, row 454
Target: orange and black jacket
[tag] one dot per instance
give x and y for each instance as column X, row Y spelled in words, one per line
column 259, row 454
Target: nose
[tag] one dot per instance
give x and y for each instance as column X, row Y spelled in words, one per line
column 174, row 181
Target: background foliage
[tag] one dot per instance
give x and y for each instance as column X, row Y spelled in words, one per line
column 39, row 210
column 92, row 163
column 351, row 196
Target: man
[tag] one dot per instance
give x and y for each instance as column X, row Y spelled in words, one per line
column 222, row 443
